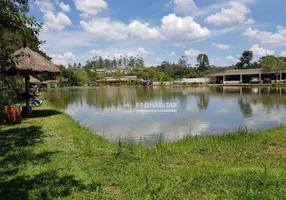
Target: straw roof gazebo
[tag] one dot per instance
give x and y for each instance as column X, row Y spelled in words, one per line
column 27, row 62
column 31, row 62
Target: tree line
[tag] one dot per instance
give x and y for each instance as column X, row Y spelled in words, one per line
column 77, row 74
column 127, row 62
column 16, row 29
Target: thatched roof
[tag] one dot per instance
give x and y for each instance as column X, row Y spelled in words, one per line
column 33, row 80
column 26, row 60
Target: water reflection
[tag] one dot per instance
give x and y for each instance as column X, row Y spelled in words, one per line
column 201, row 110
column 245, row 107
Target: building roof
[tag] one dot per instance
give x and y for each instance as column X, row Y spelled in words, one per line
column 33, row 80
column 125, row 78
column 51, row 81
column 26, row 60
column 239, row 72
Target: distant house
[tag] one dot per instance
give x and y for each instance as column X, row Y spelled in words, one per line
column 243, row 76
column 125, row 79
column 52, row 83
column 109, row 72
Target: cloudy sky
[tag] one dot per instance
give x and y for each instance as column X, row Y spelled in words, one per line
column 157, row 30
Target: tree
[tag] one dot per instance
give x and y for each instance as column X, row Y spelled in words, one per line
column 165, row 63
column 107, row 62
column 16, row 30
column 203, row 62
column 117, row 75
column 120, row 62
column 183, row 62
column 140, row 62
column 100, row 62
column 101, row 76
column 147, row 74
column 79, row 65
column 78, row 77
column 245, row 60
column 114, row 63
column 273, row 64
column 131, row 63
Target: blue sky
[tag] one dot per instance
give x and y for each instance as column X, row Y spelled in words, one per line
column 157, row 30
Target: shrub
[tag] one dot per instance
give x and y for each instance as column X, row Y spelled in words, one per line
column 10, row 88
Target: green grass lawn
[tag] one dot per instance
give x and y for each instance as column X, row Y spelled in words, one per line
column 52, row 157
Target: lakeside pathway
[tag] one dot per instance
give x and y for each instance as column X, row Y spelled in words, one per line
column 50, row 156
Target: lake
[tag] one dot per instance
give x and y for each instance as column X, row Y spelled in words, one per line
column 170, row 113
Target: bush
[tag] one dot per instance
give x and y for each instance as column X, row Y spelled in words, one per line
column 10, row 88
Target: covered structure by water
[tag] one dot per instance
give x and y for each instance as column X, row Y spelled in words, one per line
column 243, row 76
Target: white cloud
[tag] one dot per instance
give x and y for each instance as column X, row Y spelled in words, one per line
column 65, row 7
column 231, row 60
column 56, row 22
column 179, row 45
column 249, row 21
column 237, row 27
column 158, row 60
column 143, row 31
column 221, row 46
column 234, row 14
column 64, row 59
column 283, row 53
column 217, row 6
column 115, row 53
column 167, row 5
column 171, row 54
column 186, row 7
column 142, row 52
column 192, row 52
column 173, row 27
column 264, row 37
column 178, row 28
column 45, row 6
column 53, row 22
column 91, row 7
column 259, row 51
column 105, row 28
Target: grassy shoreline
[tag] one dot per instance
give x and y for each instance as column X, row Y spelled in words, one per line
column 182, row 85
column 51, row 156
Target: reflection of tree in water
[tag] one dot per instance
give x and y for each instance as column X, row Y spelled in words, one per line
column 61, row 98
column 245, row 107
column 270, row 99
column 121, row 96
column 203, row 101
column 117, row 97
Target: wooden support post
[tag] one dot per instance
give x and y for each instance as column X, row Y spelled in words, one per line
column 27, row 91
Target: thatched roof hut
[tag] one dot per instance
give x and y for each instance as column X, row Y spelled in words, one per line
column 25, row 60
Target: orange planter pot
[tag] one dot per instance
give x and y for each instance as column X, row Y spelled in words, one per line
column 13, row 114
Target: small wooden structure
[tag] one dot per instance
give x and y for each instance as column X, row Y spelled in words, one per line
column 27, row 62
column 33, row 80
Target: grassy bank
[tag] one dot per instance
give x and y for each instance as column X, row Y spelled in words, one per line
column 51, row 157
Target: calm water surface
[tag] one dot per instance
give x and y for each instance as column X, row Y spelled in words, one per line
column 114, row 113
